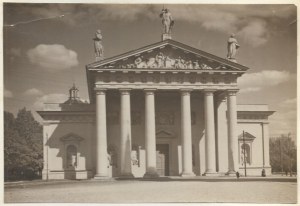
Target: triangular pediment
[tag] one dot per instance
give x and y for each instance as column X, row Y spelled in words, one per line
column 164, row 134
column 247, row 136
column 71, row 137
column 168, row 54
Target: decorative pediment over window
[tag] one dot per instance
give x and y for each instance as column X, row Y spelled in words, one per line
column 248, row 137
column 164, row 134
column 71, row 137
column 168, row 54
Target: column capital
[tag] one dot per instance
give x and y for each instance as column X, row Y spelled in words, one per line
column 232, row 92
column 185, row 91
column 149, row 91
column 100, row 91
column 208, row 92
column 124, row 91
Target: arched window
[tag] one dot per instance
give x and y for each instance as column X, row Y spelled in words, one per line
column 245, row 154
column 71, row 156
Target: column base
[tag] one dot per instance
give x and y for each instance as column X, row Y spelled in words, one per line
column 187, row 174
column 231, row 173
column 150, row 175
column 101, row 177
column 126, row 176
column 211, row 174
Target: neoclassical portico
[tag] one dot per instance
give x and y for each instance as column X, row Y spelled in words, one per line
column 150, row 131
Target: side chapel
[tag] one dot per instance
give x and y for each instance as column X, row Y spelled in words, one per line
column 166, row 109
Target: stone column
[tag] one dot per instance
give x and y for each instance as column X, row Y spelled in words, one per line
column 265, row 139
column 233, row 164
column 221, row 134
column 101, row 136
column 125, row 143
column 150, row 137
column 186, row 134
column 210, row 147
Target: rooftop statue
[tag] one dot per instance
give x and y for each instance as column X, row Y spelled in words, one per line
column 167, row 21
column 98, row 46
column 232, row 47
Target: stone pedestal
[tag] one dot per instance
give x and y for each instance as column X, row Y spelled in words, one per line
column 232, row 60
column 166, row 36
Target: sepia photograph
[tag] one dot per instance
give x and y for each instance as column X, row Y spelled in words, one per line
column 149, row 103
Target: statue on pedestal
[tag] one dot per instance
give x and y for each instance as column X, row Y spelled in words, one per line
column 167, row 21
column 232, row 47
column 98, row 46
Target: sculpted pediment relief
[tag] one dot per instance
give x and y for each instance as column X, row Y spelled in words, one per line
column 167, row 57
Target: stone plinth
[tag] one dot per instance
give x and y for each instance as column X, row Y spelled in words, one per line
column 232, row 60
column 166, row 36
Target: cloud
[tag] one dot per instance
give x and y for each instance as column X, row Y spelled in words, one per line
column 33, row 92
column 289, row 104
column 284, row 120
column 15, row 52
column 8, row 94
column 256, row 81
column 255, row 33
column 49, row 98
column 248, row 21
column 53, row 57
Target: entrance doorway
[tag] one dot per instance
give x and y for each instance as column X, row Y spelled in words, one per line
column 162, row 159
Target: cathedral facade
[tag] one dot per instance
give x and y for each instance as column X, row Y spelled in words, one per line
column 166, row 109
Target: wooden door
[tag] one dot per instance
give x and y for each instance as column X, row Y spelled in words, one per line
column 162, row 159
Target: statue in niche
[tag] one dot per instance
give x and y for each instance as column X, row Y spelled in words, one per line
column 112, row 156
column 232, row 46
column 135, row 155
column 167, row 21
column 99, row 51
column 245, row 151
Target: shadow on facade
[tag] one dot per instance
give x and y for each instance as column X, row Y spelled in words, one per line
column 71, row 152
column 217, row 179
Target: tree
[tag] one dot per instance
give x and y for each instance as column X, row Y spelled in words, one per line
column 283, row 154
column 22, row 146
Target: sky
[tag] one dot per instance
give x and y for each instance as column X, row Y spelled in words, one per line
column 46, row 48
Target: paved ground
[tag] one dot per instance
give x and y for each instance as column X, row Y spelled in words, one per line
column 250, row 190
